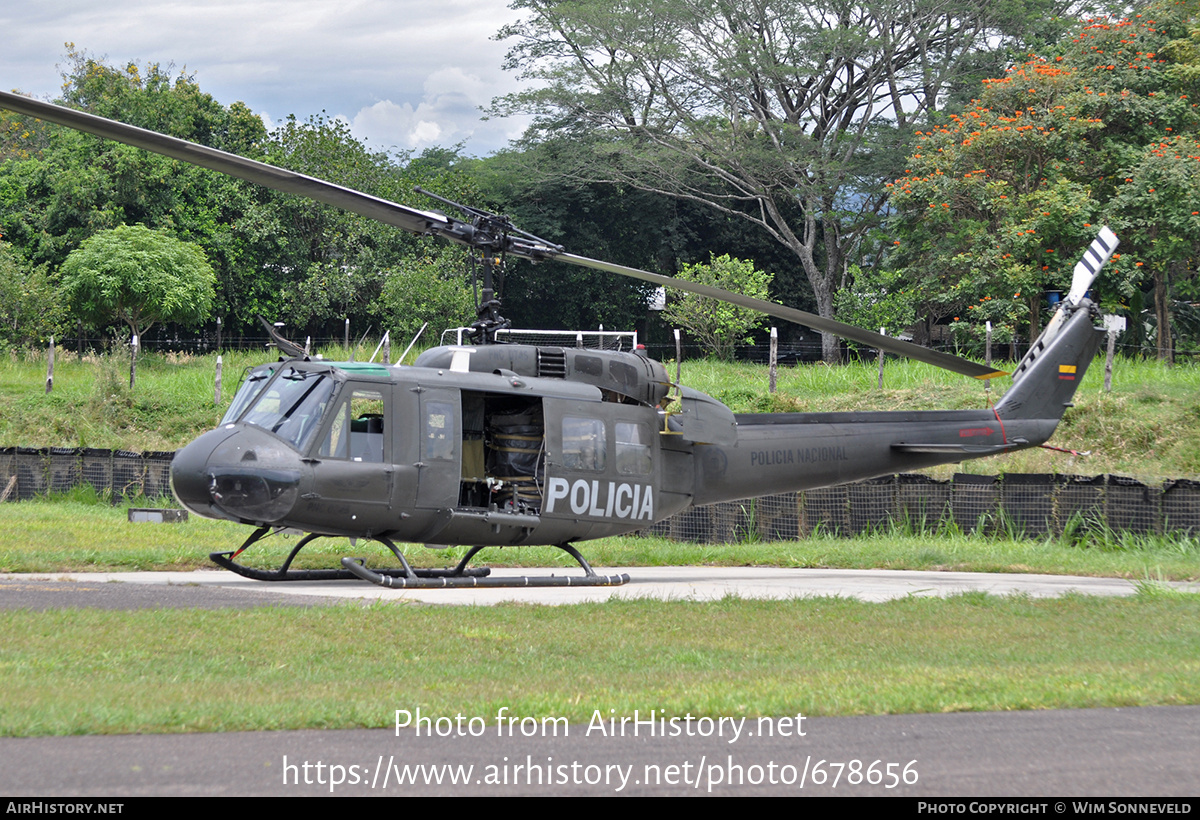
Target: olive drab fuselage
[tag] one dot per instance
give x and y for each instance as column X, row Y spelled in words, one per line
column 516, row 444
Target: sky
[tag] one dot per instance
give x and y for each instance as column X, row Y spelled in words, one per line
column 405, row 75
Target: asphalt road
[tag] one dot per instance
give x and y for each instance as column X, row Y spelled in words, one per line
column 1085, row 752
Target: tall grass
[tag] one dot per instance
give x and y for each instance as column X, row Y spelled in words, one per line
column 1149, row 426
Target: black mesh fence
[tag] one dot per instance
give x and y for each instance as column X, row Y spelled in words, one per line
column 1025, row 504
column 31, row 467
column 1181, row 506
column 96, row 468
column 64, row 468
column 26, row 472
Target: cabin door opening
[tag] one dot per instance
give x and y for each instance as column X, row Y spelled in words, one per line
column 504, row 452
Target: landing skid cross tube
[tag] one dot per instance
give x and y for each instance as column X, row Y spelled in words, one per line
column 225, row 560
column 460, row 576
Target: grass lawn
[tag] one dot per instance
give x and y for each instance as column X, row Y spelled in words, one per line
column 92, row 671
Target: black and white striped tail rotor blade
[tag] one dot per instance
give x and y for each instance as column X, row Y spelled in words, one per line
column 1086, row 269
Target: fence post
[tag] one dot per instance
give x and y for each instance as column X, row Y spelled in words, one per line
column 678, row 359
column 1115, row 325
column 50, row 367
column 217, row 389
column 882, row 332
column 133, row 355
column 773, row 370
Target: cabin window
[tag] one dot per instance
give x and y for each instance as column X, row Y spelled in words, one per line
column 249, row 390
column 356, row 432
column 438, row 440
column 633, row 448
column 584, row 443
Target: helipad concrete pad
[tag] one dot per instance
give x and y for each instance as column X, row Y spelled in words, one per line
column 663, row 583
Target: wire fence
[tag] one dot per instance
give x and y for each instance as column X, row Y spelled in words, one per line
column 1025, row 504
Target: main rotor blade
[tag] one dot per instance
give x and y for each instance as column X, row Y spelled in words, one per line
column 270, row 176
column 432, row 222
column 800, row 317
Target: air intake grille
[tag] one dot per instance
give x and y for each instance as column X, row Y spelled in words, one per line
column 552, row 363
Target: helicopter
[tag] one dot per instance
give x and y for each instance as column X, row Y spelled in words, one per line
column 492, row 444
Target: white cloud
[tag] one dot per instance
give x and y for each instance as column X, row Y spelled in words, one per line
column 448, row 113
column 404, row 73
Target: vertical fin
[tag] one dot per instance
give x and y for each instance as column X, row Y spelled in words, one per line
column 1086, row 270
column 1049, row 379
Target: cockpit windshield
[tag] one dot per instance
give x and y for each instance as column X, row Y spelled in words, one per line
column 291, row 406
column 249, row 389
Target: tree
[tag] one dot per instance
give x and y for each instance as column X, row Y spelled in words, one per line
column 138, row 276
column 719, row 326
column 30, row 310
column 997, row 203
column 994, row 204
column 782, row 113
column 273, row 254
column 1158, row 208
column 58, row 187
column 430, row 287
column 330, row 264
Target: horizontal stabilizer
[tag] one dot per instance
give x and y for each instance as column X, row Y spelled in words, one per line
column 965, row 449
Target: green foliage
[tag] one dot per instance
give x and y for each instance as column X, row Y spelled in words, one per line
column 766, row 112
column 432, row 288
column 540, row 190
column 998, row 201
column 328, row 264
column 719, row 326
column 137, row 276
column 877, row 299
column 30, row 309
column 273, row 255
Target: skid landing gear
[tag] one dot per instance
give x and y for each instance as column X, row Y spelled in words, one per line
column 225, row 560
column 460, row 576
column 405, row 577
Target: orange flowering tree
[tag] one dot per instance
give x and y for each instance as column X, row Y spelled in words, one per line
column 1158, row 207
column 998, row 201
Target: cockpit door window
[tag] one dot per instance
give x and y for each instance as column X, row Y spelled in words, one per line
column 356, row 432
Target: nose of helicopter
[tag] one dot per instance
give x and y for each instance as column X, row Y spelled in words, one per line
column 237, row 473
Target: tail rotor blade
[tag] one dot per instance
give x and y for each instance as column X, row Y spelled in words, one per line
column 1086, row 269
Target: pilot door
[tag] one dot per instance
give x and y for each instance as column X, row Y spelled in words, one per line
column 353, row 457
